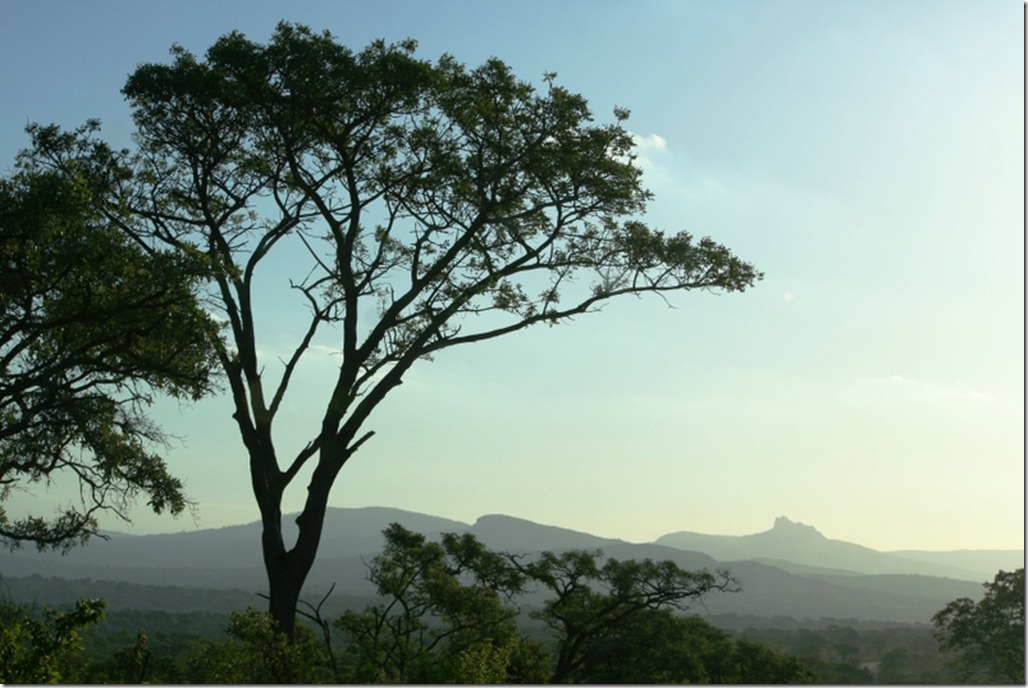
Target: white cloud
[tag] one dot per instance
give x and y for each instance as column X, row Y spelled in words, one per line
column 651, row 142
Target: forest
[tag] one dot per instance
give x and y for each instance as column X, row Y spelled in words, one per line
column 454, row 611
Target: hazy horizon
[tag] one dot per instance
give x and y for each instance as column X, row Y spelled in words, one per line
column 471, row 522
column 867, row 156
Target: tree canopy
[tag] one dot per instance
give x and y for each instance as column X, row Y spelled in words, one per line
column 448, row 609
column 435, row 205
column 987, row 636
column 93, row 325
column 594, row 602
column 442, row 613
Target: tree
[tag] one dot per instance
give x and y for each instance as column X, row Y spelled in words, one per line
column 655, row 646
column 436, row 206
column 133, row 664
column 449, row 609
column 258, row 653
column 592, row 605
column 92, row 326
column 754, row 663
column 988, row 637
column 47, row 650
column 443, row 616
column 658, row 646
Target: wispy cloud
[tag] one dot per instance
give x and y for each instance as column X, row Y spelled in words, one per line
column 896, row 386
column 650, row 142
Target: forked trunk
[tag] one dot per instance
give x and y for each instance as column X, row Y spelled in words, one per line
column 288, row 569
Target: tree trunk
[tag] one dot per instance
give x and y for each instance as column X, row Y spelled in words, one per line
column 283, row 584
column 287, row 570
column 284, row 593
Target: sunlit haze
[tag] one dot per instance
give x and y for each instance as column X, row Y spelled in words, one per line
column 867, row 156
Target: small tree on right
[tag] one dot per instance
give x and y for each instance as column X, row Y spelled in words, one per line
column 987, row 637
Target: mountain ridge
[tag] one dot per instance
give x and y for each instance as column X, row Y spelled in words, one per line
column 357, row 531
column 800, row 545
column 229, row 559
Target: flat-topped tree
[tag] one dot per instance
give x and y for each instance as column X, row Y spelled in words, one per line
column 437, row 205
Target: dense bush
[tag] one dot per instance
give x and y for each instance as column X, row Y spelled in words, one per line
column 46, row 649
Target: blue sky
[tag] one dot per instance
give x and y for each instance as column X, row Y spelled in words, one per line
column 867, row 156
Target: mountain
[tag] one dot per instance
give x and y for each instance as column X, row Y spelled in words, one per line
column 347, row 532
column 518, row 535
column 790, row 571
column 801, row 548
column 980, row 561
column 225, row 558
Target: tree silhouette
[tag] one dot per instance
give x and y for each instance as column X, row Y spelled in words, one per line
column 987, row 636
column 593, row 601
column 436, row 206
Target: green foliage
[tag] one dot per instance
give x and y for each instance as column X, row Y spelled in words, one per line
column 258, row 652
column 754, row 663
column 137, row 663
column 859, row 654
column 134, row 662
column 449, row 615
column 654, row 646
column 124, row 598
column 590, row 601
column 658, row 646
column 92, row 325
column 442, row 615
column 987, row 637
column 47, row 650
column 482, row 663
column 148, row 647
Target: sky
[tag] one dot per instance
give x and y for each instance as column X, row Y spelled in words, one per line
column 867, row 156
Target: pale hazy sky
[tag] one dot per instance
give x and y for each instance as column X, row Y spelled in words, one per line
column 867, row 156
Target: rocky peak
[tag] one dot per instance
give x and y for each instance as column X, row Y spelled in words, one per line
column 786, row 527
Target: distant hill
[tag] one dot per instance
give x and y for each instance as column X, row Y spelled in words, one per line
column 980, row 561
column 120, row 596
column 802, row 548
column 226, row 558
column 518, row 535
column 347, row 533
column 791, row 570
